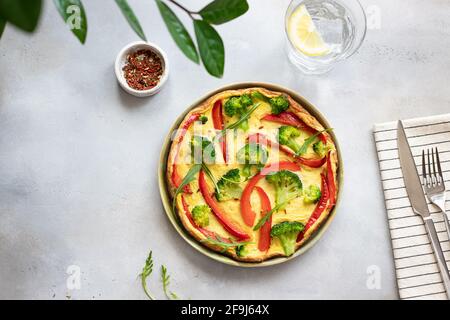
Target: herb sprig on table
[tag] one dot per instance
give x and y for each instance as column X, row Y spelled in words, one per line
column 146, row 272
column 165, row 279
column 209, row 48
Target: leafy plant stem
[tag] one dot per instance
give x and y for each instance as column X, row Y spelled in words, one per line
column 190, row 13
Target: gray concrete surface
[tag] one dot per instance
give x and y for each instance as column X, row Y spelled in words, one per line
column 79, row 157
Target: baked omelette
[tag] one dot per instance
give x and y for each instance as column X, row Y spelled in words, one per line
column 252, row 174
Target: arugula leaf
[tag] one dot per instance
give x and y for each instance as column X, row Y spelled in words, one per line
column 211, row 176
column 188, row 178
column 211, row 48
column 310, row 140
column 244, row 117
column 178, row 32
column 236, row 124
column 269, row 214
column 131, row 18
column 24, row 14
column 73, row 14
column 224, row 245
column 165, row 279
column 2, row 26
column 221, row 11
column 147, row 271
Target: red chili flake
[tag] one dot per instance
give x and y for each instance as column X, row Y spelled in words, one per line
column 143, row 69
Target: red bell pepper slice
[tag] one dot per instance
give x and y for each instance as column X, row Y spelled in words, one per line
column 259, row 138
column 330, row 180
column 218, row 123
column 321, row 206
column 248, row 215
column 176, row 179
column 233, row 230
column 264, row 233
column 291, row 119
column 312, row 163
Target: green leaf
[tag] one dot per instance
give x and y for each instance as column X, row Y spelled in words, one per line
column 21, row 13
column 178, row 32
column 270, row 213
column 73, row 14
column 131, row 18
column 310, row 140
column 146, row 272
column 2, row 26
column 221, row 11
column 165, row 279
column 211, row 48
column 243, row 118
column 225, row 245
column 211, row 177
column 190, row 175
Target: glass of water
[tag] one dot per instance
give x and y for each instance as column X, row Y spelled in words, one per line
column 322, row 32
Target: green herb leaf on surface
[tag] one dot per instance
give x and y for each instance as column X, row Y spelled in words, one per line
column 165, row 279
column 73, row 14
column 211, row 48
column 221, row 11
column 146, row 272
column 131, row 18
column 24, row 14
column 178, row 32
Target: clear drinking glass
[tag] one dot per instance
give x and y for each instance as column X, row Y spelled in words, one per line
column 341, row 28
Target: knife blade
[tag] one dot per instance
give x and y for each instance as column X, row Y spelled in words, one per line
column 410, row 175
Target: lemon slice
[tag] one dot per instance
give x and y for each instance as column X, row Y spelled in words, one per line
column 304, row 35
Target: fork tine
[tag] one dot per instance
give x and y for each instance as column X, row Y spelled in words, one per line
column 441, row 178
column 424, row 170
column 434, row 167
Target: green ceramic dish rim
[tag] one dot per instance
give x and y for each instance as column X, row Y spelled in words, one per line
column 165, row 196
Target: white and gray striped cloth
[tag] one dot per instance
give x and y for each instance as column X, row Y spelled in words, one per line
column 416, row 270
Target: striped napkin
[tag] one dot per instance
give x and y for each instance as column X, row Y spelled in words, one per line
column 416, row 270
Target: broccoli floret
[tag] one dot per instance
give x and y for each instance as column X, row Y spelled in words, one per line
column 240, row 250
column 320, row 148
column 233, row 106
column 287, row 233
column 246, row 100
column 202, row 150
column 238, row 106
column 252, row 155
column 229, row 187
column 312, row 194
column 287, row 135
column 200, row 214
column 287, row 186
column 279, row 104
column 203, row 119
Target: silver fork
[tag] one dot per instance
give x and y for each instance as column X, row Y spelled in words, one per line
column 433, row 182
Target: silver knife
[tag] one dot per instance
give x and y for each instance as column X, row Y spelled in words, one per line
column 418, row 201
